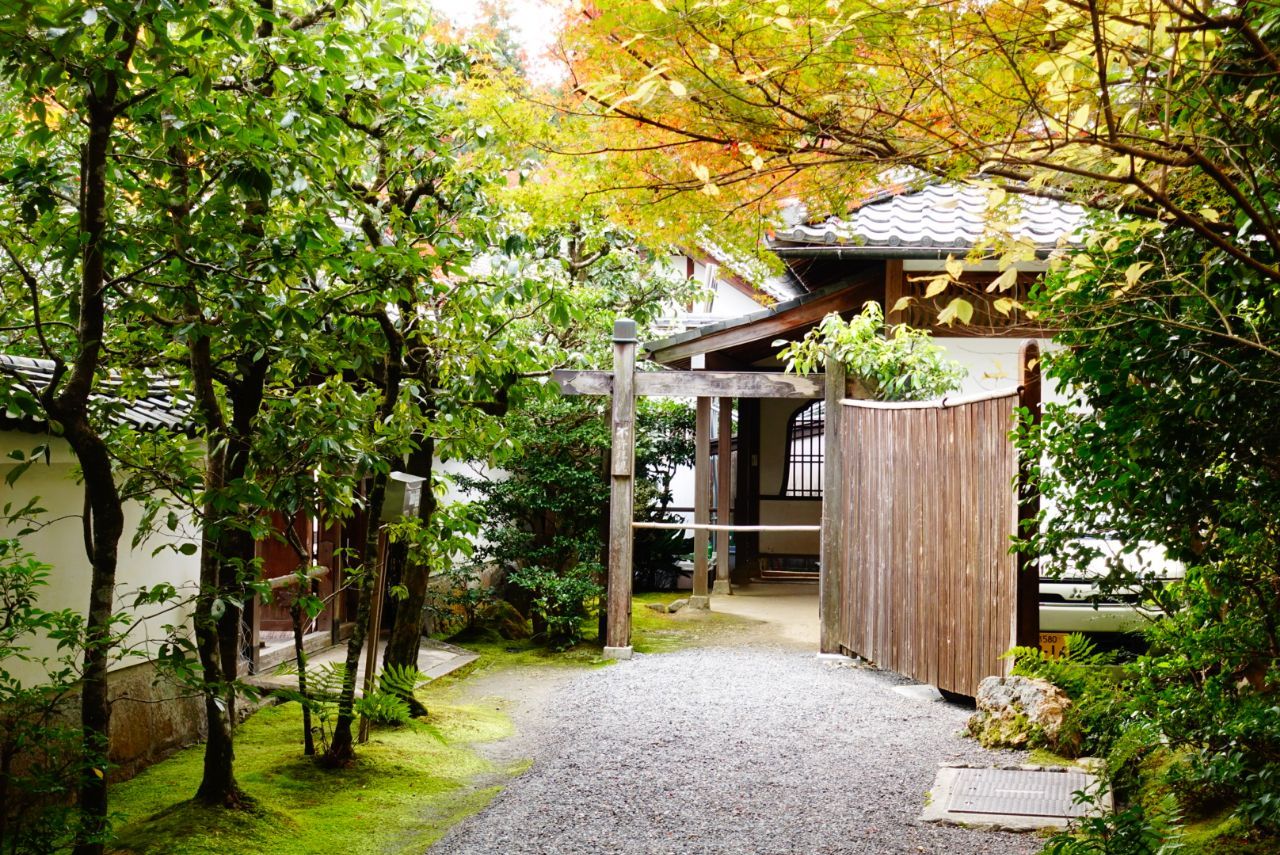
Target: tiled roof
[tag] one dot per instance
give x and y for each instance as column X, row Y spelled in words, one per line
column 160, row 408
column 934, row 219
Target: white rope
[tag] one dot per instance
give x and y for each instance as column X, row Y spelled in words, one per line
column 708, row 527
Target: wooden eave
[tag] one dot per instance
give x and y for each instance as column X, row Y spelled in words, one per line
column 750, row 339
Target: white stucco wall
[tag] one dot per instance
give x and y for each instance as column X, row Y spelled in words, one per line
column 60, row 543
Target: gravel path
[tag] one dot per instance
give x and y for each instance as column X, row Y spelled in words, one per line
column 762, row 749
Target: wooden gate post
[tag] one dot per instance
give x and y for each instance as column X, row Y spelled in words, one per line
column 1027, row 630
column 833, row 499
column 621, row 490
column 724, row 495
column 701, row 502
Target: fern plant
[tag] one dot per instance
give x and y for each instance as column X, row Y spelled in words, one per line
column 383, row 708
column 1091, row 679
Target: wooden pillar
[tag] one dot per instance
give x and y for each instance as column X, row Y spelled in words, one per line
column 724, row 495
column 1028, row 609
column 701, row 501
column 375, row 629
column 621, row 490
column 746, row 494
column 830, row 589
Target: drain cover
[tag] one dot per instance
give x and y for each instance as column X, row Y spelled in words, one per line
column 1016, row 792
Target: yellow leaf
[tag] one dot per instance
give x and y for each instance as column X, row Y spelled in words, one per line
column 677, row 88
column 958, row 309
column 1003, row 305
column 996, row 197
column 703, row 173
column 1005, row 280
column 711, row 189
column 1253, row 98
column 903, row 303
column 1209, row 214
column 1081, row 116
column 955, row 267
column 713, row 51
column 784, row 23
column 757, row 163
column 783, row 9
column 1135, row 271
column 659, row 5
column 97, row 772
column 937, row 285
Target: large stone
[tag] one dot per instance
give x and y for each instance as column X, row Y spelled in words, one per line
column 504, row 619
column 1013, row 711
column 676, row 605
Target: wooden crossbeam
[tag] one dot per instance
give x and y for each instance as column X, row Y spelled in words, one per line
column 697, row 384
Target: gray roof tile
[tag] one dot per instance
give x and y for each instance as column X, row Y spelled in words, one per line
column 937, row 217
column 160, row 408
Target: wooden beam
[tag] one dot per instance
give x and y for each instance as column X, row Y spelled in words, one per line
column 583, row 382
column 621, row 490
column 701, row 501
column 765, row 325
column 1027, row 630
column 724, row 495
column 830, row 590
column 696, row 384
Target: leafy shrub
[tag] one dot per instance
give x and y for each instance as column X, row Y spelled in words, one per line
column 560, row 600
column 898, row 364
column 42, row 754
column 546, row 514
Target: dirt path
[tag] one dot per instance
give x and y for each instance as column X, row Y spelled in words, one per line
column 745, row 743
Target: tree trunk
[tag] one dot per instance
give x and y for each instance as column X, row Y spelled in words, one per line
column 405, row 639
column 342, row 746
column 217, row 782
column 226, row 560
column 300, row 656
column 105, row 514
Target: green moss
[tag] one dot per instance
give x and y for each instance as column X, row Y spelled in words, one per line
column 408, row 786
column 1223, row 833
column 659, row 632
column 1045, row 757
column 651, row 632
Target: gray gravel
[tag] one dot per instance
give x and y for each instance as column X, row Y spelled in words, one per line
column 731, row 750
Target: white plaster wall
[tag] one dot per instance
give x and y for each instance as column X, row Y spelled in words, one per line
column 992, row 363
column 724, row 300
column 60, row 543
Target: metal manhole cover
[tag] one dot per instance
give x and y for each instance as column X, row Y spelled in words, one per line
column 1017, row 792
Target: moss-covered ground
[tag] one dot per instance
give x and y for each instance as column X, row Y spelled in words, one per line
column 651, row 632
column 407, row 787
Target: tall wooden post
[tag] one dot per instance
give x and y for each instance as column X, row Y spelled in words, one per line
column 621, row 490
column 830, row 589
column 746, row 492
column 701, row 501
column 1027, row 629
column 724, row 495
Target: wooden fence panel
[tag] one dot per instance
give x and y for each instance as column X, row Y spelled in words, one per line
column 929, row 586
